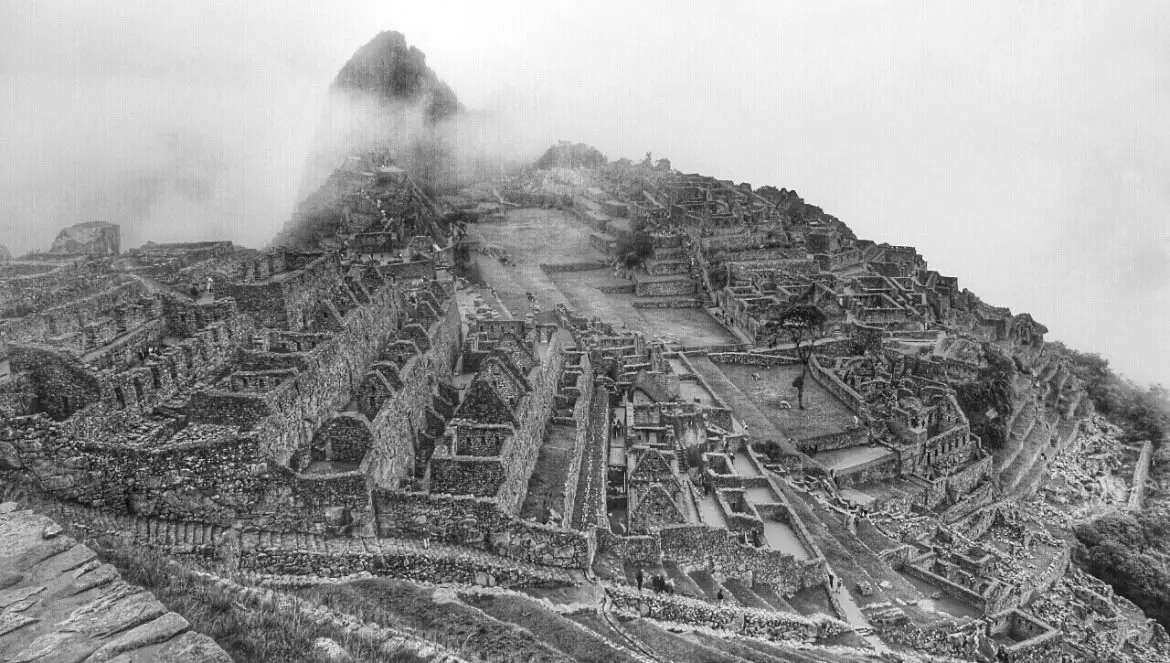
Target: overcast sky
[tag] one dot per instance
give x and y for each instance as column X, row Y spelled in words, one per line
column 1021, row 146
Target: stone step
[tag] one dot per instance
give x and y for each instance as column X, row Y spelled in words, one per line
column 745, row 596
column 683, row 582
column 769, row 595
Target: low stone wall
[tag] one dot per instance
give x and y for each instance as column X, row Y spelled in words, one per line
column 851, row 437
column 1049, row 576
column 405, row 271
column 981, row 497
column 680, row 287
column 669, row 303
column 573, row 267
column 875, row 470
column 836, row 387
column 642, row 550
column 752, row 359
column 946, row 586
column 479, row 523
column 746, row 621
column 627, row 289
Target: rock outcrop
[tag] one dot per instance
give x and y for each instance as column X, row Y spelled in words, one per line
column 388, row 70
column 92, row 237
column 58, row 602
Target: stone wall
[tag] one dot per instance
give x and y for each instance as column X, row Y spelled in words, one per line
column 835, row 386
column 520, row 453
column 401, row 417
column 62, row 386
column 948, row 588
column 752, row 359
column 210, row 474
column 642, row 550
column 878, row 469
column 574, row 267
column 337, row 503
column 668, row 288
column 580, row 439
column 701, row 545
column 752, row 622
column 850, row 437
column 405, row 271
column 479, row 523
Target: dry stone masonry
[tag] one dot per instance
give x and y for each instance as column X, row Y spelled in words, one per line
column 895, row 470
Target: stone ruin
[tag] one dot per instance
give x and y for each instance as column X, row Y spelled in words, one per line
column 329, row 406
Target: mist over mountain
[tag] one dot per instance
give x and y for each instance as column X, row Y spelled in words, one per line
column 386, row 96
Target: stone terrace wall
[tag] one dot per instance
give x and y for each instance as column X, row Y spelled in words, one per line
column 72, row 316
column 757, row 623
column 672, row 288
column 851, row 437
column 580, row 439
column 479, row 523
column 700, row 545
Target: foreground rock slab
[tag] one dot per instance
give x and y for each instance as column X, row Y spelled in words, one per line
column 59, row 602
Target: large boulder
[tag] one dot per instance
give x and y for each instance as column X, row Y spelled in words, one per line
column 92, row 237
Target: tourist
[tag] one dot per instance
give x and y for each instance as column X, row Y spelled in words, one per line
column 640, row 577
column 720, row 597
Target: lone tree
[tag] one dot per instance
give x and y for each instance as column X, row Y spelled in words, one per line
column 800, row 325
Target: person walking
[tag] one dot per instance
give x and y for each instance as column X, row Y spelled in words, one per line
column 720, row 597
column 640, row 577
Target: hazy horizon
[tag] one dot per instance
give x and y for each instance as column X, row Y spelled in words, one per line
column 1018, row 146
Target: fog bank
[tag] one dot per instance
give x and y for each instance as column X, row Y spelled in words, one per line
column 1020, row 146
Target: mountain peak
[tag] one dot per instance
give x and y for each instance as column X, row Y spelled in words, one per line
column 390, row 70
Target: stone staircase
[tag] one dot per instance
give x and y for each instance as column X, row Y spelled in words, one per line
column 745, row 595
column 711, row 588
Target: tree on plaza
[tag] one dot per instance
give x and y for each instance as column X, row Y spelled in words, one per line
column 801, row 325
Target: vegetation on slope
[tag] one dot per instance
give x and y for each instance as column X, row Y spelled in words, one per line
column 1131, row 552
column 247, row 630
column 987, row 400
column 570, row 155
column 409, row 607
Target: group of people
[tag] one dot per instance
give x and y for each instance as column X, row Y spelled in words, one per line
column 658, row 582
column 149, row 352
column 196, row 291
